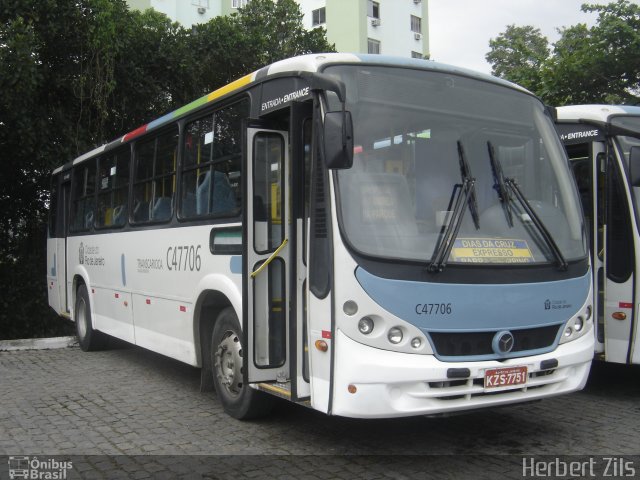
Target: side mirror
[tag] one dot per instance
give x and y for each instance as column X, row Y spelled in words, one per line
column 338, row 140
column 634, row 166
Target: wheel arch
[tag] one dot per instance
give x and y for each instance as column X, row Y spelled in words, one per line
column 216, row 295
column 80, row 277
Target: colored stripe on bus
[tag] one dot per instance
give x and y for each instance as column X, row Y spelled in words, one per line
column 241, row 82
column 135, row 133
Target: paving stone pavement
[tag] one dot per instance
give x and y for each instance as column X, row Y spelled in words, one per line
column 128, row 412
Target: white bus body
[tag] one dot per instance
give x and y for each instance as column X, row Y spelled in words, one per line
column 417, row 249
column 600, row 140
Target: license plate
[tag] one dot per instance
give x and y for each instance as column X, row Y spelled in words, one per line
column 505, row 377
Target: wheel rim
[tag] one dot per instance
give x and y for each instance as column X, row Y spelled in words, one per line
column 228, row 363
column 81, row 319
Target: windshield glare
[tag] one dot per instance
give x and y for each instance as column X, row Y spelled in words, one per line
column 398, row 197
column 625, row 143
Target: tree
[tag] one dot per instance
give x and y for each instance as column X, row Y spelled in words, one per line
column 600, row 64
column 261, row 33
column 518, row 54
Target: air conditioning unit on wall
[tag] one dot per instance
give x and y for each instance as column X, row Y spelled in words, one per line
column 375, row 22
column 201, row 10
column 417, row 36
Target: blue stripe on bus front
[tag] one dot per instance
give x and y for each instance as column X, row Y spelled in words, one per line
column 445, row 307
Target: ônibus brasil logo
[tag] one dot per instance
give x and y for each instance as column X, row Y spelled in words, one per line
column 34, row 468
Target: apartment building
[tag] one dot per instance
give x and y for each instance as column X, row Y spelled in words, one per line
column 387, row 27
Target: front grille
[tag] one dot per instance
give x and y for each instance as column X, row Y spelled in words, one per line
column 467, row 344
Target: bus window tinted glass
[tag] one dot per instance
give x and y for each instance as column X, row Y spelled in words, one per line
column 212, row 164
column 154, row 183
column 83, row 203
column 113, row 189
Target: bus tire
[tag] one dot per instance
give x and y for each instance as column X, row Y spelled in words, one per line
column 227, row 360
column 88, row 338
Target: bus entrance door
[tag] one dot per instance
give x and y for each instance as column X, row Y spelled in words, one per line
column 64, row 210
column 618, row 258
column 267, row 256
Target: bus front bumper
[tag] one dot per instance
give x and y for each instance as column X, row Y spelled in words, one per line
column 391, row 384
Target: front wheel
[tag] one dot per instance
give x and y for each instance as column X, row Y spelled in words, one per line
column 227, row 358
column 88, row 338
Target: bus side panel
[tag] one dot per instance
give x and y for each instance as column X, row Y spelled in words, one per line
column 111, row 305
column 166, row 271
column 113, row 312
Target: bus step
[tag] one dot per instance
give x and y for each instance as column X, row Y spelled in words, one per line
column 279, row 389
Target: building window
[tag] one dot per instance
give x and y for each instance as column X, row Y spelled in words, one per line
column 416, row 55
column 319, row 16
column 373, row 46
column 200, row 3
column 373, row 9
column 416, row 24
column 239, row 3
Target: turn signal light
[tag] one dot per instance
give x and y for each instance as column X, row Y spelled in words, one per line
column 619, row 315
column 322, row 345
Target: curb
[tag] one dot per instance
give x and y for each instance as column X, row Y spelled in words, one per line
column 38, row 343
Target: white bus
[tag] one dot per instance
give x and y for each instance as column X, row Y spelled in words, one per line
column 603, row 145
column 368, row 236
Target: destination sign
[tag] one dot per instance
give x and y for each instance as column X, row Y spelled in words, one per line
column 490, row 250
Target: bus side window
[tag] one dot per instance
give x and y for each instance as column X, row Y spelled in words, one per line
column 211, row 165
column 154, row 180
column 113, row 189
column 83, row 201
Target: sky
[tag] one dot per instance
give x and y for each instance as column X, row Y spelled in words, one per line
column 460, row 30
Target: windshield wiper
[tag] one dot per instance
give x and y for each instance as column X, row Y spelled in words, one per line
column 499, row 184
column 465, row 173
column 463, row 194
column 535, row 219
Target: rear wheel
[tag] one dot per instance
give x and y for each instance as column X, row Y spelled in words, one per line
column 227, row 358
column 88, row 338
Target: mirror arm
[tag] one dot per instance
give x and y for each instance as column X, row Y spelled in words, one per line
column 322, row 82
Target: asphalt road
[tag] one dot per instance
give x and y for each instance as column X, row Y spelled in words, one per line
column 130, row 413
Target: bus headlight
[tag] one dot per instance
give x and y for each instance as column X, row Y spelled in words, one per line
column 365, row 325
column 577, row 326
column 588, row 313
column 395, row 335
column 578, row 323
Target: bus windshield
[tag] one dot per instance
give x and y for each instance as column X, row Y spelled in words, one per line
column 427, row 141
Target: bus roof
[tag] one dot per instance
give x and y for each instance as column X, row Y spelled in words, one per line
column 304, row 63
column 600, row 113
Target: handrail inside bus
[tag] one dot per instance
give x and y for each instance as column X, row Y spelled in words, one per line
column 270, row 259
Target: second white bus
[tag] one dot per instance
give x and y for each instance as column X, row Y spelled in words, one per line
column 603, row 144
